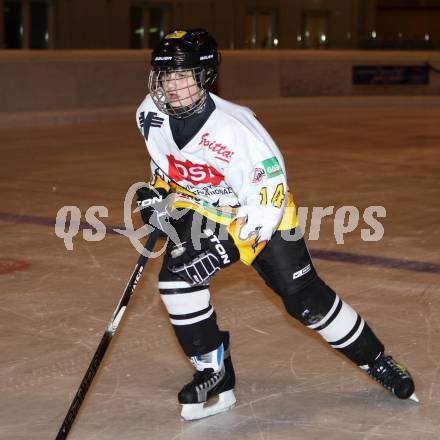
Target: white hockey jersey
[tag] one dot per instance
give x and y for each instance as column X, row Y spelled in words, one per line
column 231, row 171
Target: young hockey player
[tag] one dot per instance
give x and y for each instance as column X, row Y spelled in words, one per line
column 229, row 187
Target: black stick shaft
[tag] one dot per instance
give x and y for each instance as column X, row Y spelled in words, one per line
column 105, row 341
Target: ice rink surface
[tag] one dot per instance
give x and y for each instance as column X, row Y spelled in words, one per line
column 55, row 304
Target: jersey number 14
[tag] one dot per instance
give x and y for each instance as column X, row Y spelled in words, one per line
column 278, row 197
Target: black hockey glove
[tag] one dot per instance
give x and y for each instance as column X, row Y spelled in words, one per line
column 153, row 205
column 197, row 266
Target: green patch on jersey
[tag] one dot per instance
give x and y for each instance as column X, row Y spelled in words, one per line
column 272, row 167
column 224, row 211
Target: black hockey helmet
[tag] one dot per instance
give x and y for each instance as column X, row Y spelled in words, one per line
column 193, row 51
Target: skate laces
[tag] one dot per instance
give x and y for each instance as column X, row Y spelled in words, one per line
column 386, row 370
column 207, row 378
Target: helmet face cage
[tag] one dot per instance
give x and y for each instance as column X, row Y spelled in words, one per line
column 179, row 93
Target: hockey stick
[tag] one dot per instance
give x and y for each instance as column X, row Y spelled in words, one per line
column 106, row 339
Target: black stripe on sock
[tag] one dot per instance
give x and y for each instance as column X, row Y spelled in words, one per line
column 182, row 290
column 349, row 334
column 191, row 315
column 332, row 317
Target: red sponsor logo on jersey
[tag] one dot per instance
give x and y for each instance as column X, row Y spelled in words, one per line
column 195, row 173
column 221, row 151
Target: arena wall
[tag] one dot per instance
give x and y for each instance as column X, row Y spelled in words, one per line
column 70, row 85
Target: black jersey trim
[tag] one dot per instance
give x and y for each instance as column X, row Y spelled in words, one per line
column 185, row 129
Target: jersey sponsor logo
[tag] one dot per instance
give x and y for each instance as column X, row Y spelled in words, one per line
column 259, row 175
column 151, row 120
column 221, row 151
column 212, row 190
column 207, row 191
column 193, row 172
column 206, row 57
column 272, row 167
column 162, row 58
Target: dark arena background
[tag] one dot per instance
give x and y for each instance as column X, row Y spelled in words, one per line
column 350, row 92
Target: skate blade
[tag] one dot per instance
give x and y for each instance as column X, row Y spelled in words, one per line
column 196, row 411
column 414, row 397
